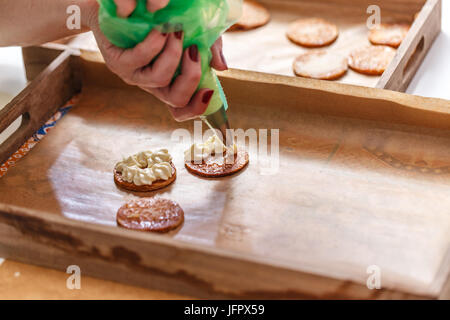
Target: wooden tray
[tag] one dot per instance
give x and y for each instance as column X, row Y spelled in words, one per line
column 267, row 49
column 271, row 52
column 364, row 179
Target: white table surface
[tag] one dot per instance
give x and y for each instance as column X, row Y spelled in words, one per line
column 433, row 77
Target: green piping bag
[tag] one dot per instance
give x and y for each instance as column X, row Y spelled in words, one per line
column 202, row 22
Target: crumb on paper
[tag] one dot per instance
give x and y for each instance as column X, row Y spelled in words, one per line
column 17, row 274
column 1, row 261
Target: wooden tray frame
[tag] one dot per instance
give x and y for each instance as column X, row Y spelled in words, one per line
column 136, row 258
column 397, row 76
column 414, row 48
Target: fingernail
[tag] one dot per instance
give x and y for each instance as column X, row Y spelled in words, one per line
column 193, row 53
column 164, row 34
column 223, row 59
column 178, row 34
column 207, row 96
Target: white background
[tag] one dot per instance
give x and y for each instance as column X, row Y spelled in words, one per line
column 433, row 76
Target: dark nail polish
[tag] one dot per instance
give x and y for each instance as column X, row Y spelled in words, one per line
column 164, row 34
column 207, row 96
column 223, row 59
column 193, row 53
column 178, row 34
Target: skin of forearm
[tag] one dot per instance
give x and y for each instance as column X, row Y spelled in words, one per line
column 32, row 22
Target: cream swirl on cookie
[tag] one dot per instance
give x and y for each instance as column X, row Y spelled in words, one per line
column 145, row 167
column 200, row 151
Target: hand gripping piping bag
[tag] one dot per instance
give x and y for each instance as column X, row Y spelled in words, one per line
column 202, row 22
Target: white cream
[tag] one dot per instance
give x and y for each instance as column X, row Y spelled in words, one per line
column 200, row 151
column 145, row 167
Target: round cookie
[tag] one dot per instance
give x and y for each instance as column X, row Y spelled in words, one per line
column 254, row 15
column 158, row 184
column 150, row 214
column 312, row 33
column 210, row 168
column 320, row 64
column 372, row 60
column 388, row 34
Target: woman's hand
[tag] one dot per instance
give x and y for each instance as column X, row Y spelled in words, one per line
column 126, row 7
column 133, row 65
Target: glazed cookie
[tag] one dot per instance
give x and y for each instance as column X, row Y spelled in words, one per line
column 372, row 60
column 388, row 34
column 319, row 64
column 216, row 166
column 254, row 15
column 313, row 32
column 150, row 214
column 213, row 159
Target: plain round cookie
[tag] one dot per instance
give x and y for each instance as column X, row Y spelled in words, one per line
column 254, row 15
column 209, row 168
column 320, row 64
column 156, row 185
column 312, row 33
column 388, row 34
column 372, row 60
column 150, row 214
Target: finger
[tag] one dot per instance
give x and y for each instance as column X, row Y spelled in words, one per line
column 154, row 5
column 161, row 72
column 218, row 61
column 183, row 88
column 144, row 52
column 125, row 7
column 195, row 108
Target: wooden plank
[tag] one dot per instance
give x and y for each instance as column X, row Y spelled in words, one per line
column 36, row 59
column 150, row 261
column 38, row 101
column 353, row 101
